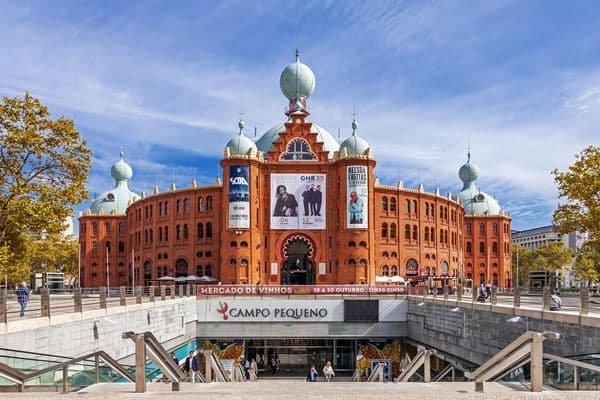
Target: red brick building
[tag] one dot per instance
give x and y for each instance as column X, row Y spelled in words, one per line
column 296, row 207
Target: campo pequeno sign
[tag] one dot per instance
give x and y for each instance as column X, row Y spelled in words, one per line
column 268, row 290
column 269, row 310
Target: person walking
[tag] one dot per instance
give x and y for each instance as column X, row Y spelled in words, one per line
column 312, row 374
column 481, row 295
column 23, row 297
column 191, row 366
column 253, row 370
column 274, row 363
column 555, row 301
column 488, row 291
column 404, row 362
column 328, row 372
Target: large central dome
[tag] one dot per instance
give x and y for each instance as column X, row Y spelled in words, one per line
column 265, row 142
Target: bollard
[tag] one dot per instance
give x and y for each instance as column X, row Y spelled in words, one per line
column 163, row 293
column 459, row 291
column 138, row 294
column 140, row 364
column 494, row 298
column 45, row 298
column 546, row 298
column 151, row 293
column 122, row 300
column 173, row 294
column 193, row 290
column 516, row 297
column 3, row 309
column 584, row 301
column 102, row 291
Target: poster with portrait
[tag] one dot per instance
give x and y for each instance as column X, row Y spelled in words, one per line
column 298, row 201
column 239, row 197
column 357, row 202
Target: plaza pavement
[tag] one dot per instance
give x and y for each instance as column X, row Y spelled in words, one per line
column 300, row 390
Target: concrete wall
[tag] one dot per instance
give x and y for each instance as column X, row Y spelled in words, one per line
column 477, row 332
column 73, row 334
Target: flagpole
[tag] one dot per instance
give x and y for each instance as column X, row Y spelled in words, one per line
column 107, row 274
column 79, row 265
column 132, row 271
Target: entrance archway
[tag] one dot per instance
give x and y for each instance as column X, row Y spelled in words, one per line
column 298, row 267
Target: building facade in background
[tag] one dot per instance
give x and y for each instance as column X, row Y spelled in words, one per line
column 295, row 206
column 544, row 235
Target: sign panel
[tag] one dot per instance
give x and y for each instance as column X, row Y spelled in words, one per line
column 357, row 189
column 275, row 310
column 239, row 197
column 272, row 290
column 298, row 201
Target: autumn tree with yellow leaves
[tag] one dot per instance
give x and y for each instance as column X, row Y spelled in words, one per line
column 44, row 164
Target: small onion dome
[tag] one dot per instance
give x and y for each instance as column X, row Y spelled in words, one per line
column 241, row 144
column 121, row 171
column 474, row 201
column 354, row 145
column 297, row 80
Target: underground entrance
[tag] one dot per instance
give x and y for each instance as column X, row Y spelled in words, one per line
column 298, row 267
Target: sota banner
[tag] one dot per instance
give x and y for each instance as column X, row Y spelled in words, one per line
column 239, row 197
column 357, row 215
column 298, row 201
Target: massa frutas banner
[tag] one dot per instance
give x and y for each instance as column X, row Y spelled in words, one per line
column 239, row 197
column 298, row 201
column 357, row 210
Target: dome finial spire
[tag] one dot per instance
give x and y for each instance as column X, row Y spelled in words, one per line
column 469, row 154
column 297, row 54
column 354, row 124
column 241, row 124
column 121, row 153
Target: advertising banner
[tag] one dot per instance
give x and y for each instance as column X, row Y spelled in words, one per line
column 239, row 197
column 298, row 201
column 311, row 290
column 357, row 215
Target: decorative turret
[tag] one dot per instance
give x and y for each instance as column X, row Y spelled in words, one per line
column 354, row 145
column 297, row 83
column 116, row 201
column 473, row 200
column 241, row 145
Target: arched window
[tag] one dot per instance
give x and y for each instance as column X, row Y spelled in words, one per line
column 495, row 265
column 415, row 233
column 428, row 271
column 244, row 263
column 178, row 206
column 199, row 271
column 233, row 243
column 181, row 267
column 384, row 230
column 407, row 232
column 186, row 232
column 186, row 205
column 426, row 238
column 495, row 228
column 442, row 212
column 107, row 246
column 415, row 209
column 432, row 210
column 433, row 271
column 208, row 254
column 209, row 203
column 199, row 254
column 160, row 208
column 495, row 279
column 469, row 266
column 394, row 270
column 352, row 243
column 441, row 236
column 426, row 209
column 166, row 208
column 94, row 228
column 495, row 248
column 407, row 206
column 159, row 256
column 394, row 254
column 385, row 254
column 298, row 149
column 481, row 247
column 208, row 270
column 393, row 230
column 148, row 269
column 433, row 235
column 178, row 232
column 393, row 204
column 384, row 203
column 121, row 227
column 200, row 230
column 351, row 262
column 243, row 243
column 385, row 271
column 362, row 262
column 166, row 233
column 94, row 247
column 362, row 244
column 201, row 204
column 121, row 247
column 469, row 227
column 482, row 228
column 159, row 272
column 481, row 278
column 208, row 229
column 232, row 262
column 469, row 247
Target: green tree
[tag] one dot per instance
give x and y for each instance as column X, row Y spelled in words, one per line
column 552, row 257
column 521, row 258
column 580, row 186
column 44, row 164
column 587, row 265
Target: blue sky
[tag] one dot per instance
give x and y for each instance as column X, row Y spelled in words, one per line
column 519, row 81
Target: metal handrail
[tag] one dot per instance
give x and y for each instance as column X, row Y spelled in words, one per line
column 20, row 378
column 421, row 359
column 449, row 368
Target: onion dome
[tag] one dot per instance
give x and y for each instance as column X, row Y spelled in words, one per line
column 241, row 145
column 297, row 80
column 117, row 199
column 355, row 145
column 474, row 201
